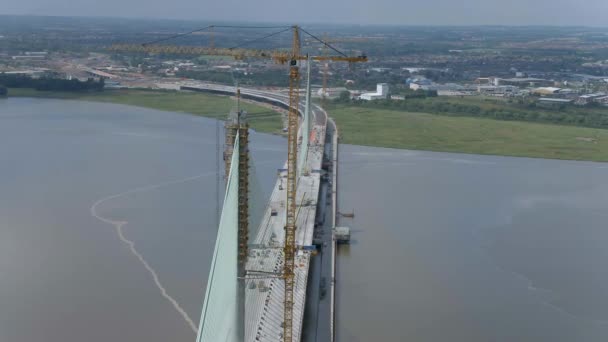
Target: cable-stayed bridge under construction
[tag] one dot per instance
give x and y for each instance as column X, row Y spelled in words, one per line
column 250, row 306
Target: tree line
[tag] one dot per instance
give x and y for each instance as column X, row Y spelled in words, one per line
column 268, row 78
column 567, row 115
column 49, row 83
column 3, row 90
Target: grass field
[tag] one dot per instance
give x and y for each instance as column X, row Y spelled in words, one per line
column 261, row 118
column 498, row 103
column 387, row 128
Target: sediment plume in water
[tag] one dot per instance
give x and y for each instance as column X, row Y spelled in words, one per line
column 119, row 225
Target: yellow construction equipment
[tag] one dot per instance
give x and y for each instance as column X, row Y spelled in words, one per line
column 326, row 64
column 281, row 57
column 292, row 57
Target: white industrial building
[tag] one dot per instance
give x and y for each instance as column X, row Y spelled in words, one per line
column 331, row 92
column 438, row 87
column 550, row 101
column 497, row 90
column 381, row 93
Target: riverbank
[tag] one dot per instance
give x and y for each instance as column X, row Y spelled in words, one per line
column 261, row 118
column 421, row 131
column 385, row 128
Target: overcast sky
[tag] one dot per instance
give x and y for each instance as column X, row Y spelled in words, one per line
column 400, row 12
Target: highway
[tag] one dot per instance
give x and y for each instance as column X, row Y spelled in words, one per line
column 265, row 293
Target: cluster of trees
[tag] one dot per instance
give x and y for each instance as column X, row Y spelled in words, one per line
column 414, row 94
column 578, row 116
column 270, row 78
column 211, row 76
column 3, row 90
column 443, row 76
column 50, row 84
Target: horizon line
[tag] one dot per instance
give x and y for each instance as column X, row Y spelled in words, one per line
column 338, row 24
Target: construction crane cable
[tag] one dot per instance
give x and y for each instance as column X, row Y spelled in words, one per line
column 323, row 42
column 262, row 116
column 177, row 35
column 259, row 39
column 250, row 27
column 206, row 28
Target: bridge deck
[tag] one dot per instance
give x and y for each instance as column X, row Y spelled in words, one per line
column 264, row 296
column 264, row 304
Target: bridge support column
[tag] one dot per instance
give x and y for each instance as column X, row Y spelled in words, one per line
column 234, row 126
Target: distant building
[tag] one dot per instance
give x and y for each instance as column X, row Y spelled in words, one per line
column 418, row 80
column 524, row 82
column 413, row 70
column 380, row 70
column 602, row 100
column 553, row 102
column 417, row 86
column 446, row 87
column 29, row 57
column 588, row 98
column 100, row 74
column 418, row 83
column 566, row 92
column 381, row 93
column 36, row 53
column 222, row 67
column 331, row 92
column 454, row 93
column 492, row 90
column 546, row 91
column 484, row 80
column 162, row 85
column 116, row 85
column 37, row 73
column 487, row 81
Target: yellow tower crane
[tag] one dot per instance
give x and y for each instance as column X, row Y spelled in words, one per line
column 324, row 49
column 326, row 64
column 282, row 57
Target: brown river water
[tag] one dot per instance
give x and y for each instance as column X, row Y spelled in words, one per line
column 108, row 224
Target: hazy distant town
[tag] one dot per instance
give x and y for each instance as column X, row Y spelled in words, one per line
column 547, row 66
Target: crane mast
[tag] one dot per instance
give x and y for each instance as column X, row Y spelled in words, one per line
column 237, row 126
column 290, row 226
